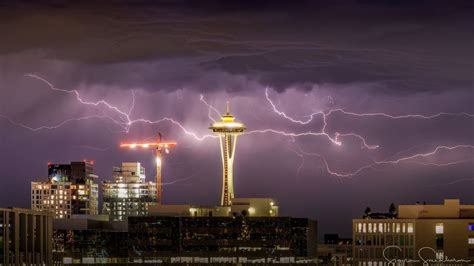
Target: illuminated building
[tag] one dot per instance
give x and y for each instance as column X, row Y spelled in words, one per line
column 128, row 194
column 249, row 207
column 437, row 232
column 159, row 147
column 70, row 190
column 227, row 130
column 25, row 237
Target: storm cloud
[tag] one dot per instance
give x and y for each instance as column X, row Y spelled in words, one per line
column 395, row 57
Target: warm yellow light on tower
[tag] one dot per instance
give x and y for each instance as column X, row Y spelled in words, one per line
column 227, row 129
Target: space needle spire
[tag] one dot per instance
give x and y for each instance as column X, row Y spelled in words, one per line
column 227, row 129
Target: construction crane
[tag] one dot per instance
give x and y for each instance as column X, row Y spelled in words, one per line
column 158, row 148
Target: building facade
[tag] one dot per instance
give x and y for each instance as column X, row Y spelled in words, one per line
column 420, row 233
column 25, row 237
column 335, row 251
column 89, row 240
column 70, row 189
column 128, row 194
column 222, row 239
column 248, row 207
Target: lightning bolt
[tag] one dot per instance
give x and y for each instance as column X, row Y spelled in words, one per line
column 210, row 109
column 92, row 147
column 62, row 123
column 179, row 180
column 455, row 182
column 125, row 121
column 390, row 161
column 334, row 139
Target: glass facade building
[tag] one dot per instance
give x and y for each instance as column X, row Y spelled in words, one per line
column 128, row 194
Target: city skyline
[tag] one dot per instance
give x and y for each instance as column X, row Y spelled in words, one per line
column 336, row 119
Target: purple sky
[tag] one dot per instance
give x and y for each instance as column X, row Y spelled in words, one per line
column 365, row 57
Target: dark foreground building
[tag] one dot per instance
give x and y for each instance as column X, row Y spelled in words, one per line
column 89, row 240
column 156, row 239
column 25, row 237
column 222, row 239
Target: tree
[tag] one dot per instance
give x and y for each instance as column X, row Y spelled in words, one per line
column 392, row 209
column 367, row 211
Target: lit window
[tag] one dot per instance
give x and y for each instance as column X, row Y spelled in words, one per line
column 381, row 228
column 410, row 228
column 470, row 240
column 439, row 228
column 359, row 227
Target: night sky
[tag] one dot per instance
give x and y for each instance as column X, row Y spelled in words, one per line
column 348, row 104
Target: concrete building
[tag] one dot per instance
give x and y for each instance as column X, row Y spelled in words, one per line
column 25, row 237
column 222, row 240
column 251, row 207
column 89, row 239
column 440, row 233
column 156, row 239
column 335, row 251
column 70, row 189
column 128, row 194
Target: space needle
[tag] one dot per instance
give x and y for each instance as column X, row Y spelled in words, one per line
column 228, row 130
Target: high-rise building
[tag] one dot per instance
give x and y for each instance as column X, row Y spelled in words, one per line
column 25, row 237
column 70, row 189
column 439, row 233
column 227, row 130
column 128, row 194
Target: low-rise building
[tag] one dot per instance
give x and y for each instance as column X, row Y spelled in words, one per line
column 223, row 239
column 335, row 250
column 251, row 207
column 89, row 239
column 439, row 233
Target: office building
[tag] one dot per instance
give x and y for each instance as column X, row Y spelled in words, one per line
column 441, row 233
column 222, row 239
column 70, row 189
column 128, row 194
column 25, row 237
column 89, row 239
